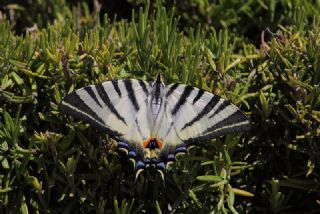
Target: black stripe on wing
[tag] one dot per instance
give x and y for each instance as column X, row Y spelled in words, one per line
column 199, row 95
column 116, row 87
column 172, row 89
column 237, row 122
column 210, row 105
column 182, row 100
column 73, row 105
column 220, row 108
column 231, row 121
column 93, row 95
column 104, row 96
column 144, row 87
column 131, row 94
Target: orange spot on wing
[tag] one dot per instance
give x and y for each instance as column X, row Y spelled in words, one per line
column 158, row 142
column 145, row 143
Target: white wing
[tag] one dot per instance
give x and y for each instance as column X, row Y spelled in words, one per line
column 194, row 115
column 125, row 110
column 115, row 107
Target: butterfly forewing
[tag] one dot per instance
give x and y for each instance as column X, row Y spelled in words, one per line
column 202, row 115
column 115, row 107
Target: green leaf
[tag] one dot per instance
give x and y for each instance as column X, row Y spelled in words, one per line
column 209, row 178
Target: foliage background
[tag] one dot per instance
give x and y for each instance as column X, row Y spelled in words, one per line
column 261, row 55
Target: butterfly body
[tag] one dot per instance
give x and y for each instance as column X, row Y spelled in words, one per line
column 154, row 122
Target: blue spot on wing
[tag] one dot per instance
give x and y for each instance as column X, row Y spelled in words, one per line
column 181, row 149
column 132, row 154
column 140, row 165
column 161, row 166
column 170, row 157
column 123, row 145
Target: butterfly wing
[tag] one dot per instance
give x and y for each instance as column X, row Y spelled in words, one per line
column 186, row 115
column 115, row 107
column 194, row 115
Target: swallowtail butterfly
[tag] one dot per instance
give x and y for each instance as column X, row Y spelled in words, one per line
column 151, row 121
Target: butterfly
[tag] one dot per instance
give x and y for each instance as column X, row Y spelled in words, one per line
column 153, row 122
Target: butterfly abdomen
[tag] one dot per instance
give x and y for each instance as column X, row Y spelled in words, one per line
column 156, row 105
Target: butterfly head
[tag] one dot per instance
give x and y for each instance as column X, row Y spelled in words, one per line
column 158, row 87
column 159, row 78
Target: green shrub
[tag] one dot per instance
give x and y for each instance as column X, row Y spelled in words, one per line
column 51, row 163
